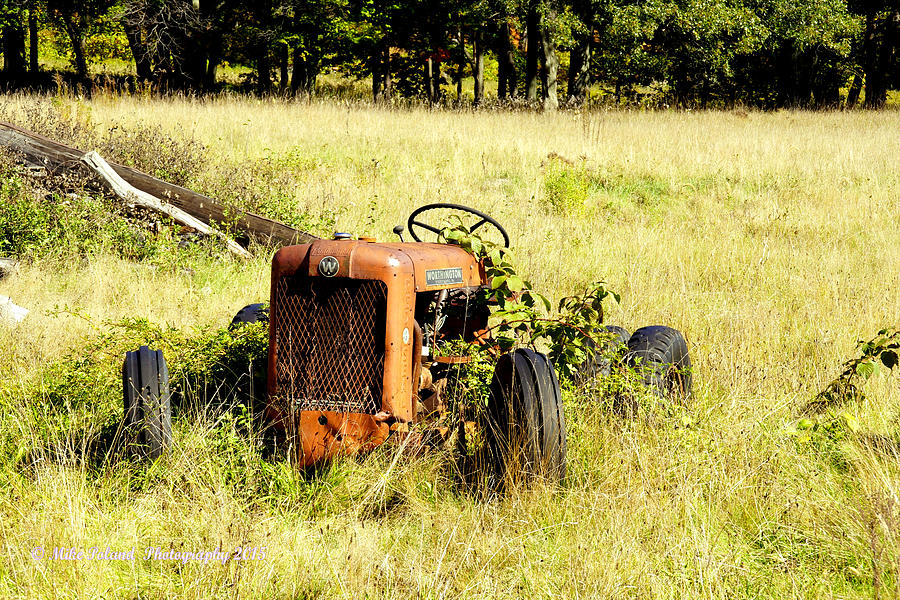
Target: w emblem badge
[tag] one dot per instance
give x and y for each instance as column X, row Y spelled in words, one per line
column 329, row 266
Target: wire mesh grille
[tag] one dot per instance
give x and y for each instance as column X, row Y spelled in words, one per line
column 329, row 343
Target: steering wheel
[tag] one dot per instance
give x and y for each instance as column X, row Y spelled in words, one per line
column 412, row 223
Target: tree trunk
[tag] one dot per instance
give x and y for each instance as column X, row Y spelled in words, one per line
column 438, row 77
column 77, row 45
column 377, row 77
column 388, row 82
column 506, row 65
column 794, row 79
column 883, row 63
column 827, row 79
column 580, row 67
column 212, row 64
column 381, row 74
column 532, row 24
column 478, row 70
column 193, row 61
column 856, row 85
column 283, row 56
column 303, row 75
column 261, row 47
column 429, row 80
column 549, row 69
column 853, row 92
column 13, row 50
column 33, row 65
column 263, row 67
column 873, row 79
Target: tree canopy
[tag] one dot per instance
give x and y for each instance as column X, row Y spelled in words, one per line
column 766, row 53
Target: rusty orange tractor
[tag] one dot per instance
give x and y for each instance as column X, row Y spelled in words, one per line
column 354, row 325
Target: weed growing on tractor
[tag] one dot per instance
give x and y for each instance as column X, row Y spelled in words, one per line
column 523, row 314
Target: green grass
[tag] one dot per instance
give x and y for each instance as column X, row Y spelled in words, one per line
column 770, row 239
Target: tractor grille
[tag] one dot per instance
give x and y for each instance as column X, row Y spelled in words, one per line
column 329, row 343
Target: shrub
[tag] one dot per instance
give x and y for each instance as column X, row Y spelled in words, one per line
column 74, row 405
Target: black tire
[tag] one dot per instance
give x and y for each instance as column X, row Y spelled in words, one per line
column 660, row 353
column 252, row 313
column 148, row 408
column 524, row 428
column 598, row 364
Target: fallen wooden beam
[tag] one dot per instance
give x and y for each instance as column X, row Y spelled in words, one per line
column 129, row 193
column 39, row 150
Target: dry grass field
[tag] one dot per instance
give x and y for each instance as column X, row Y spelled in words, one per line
column 772, row 240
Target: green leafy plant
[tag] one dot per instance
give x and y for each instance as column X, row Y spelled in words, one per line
column 72, row 219
column 881, row 351
column 77, row 400
column 524, row 316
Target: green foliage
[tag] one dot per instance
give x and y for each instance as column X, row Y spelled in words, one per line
column 268, row 186
column 881, row 351
column 567, row 189
column 77, row 400
column 79, row 225
column 173, row 159
column 524, row 316
column 35, row 224
column 469, row 381
column 825, row 435
column 825, row 426
column 691, row 52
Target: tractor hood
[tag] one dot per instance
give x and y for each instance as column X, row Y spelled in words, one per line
column 432, row 266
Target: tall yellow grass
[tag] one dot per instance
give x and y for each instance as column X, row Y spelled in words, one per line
column 771, row 239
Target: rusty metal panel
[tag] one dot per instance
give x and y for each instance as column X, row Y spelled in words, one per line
column 441, row 266
column 329, row 336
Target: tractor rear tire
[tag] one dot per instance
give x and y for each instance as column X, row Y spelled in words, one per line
column 525, row 430
column 660, row 354
column 252, row 313
column 598, row 364
column 148, row 408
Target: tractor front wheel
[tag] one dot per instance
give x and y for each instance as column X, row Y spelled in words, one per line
column 525, row 431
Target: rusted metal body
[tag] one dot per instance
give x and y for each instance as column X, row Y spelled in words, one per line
column 346, row 338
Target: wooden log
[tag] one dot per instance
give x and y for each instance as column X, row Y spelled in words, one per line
column 39, row 150
column 129, row 193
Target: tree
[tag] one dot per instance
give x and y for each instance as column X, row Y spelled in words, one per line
column 12, row 32
column 802, row 58
column 177, row 43
column 585, row 23
column 876, row 55
column 313, row 30
column 76, row 17
column 506, row 59
column 33, row 65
